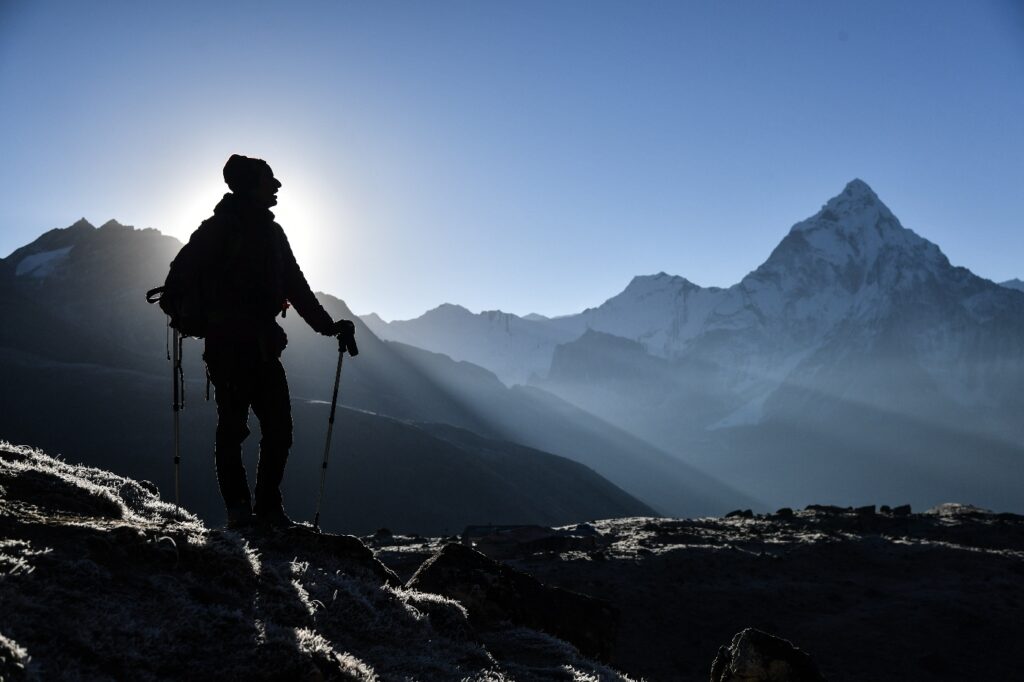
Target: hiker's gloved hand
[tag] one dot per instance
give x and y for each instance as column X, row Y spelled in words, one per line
column 344, row 329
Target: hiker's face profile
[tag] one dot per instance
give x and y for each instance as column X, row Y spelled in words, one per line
column 265, row 191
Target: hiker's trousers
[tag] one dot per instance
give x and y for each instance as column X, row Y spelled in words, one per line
column 262, row 386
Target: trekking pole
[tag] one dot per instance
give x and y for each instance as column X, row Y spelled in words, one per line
column 178, row 379
column 176, row 372
column 343, row 344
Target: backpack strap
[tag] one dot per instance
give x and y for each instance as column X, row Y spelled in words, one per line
column 153, row 295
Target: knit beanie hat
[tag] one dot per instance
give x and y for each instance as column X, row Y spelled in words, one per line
column 243, row 173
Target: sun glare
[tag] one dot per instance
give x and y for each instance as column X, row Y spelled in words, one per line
column 315, row 217
column 299, row 212
column 193, row 207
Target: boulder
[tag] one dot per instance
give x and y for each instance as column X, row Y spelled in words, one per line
column 302, row 541
column 755, row 656
column 494, row 593
column 830, row 509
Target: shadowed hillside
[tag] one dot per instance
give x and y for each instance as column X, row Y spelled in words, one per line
column 383, row 472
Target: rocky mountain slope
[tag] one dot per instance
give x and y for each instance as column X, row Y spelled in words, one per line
column 873, row 593
column 411, row 476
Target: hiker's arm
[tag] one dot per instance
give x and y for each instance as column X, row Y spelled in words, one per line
column 298, row 293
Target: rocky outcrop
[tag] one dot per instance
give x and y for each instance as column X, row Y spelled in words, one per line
column 345, row 550
column 755, row 656
column 494, row 593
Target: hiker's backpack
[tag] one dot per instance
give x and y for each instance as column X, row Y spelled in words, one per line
column 198, row 291
column 181, row 298
column 185, row 295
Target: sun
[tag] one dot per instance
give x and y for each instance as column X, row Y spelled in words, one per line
column 298, row 210
column 310, row 209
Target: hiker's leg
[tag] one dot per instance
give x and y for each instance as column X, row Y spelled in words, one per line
column 232, row 429
column 271, row 404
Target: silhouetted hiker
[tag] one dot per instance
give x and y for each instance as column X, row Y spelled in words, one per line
column 250, row 276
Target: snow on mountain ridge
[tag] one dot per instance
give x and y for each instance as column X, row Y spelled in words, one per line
column 844, row 262
column 660, row 311
column 513, row 347
column 848, row 269
column 645, row 285
column 848, row 259
column 42, row 263
column 840, row 262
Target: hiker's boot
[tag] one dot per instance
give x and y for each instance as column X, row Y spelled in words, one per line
column 273, row 516
column 239, row 516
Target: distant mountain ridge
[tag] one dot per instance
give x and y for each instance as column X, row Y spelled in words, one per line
column 835, row 263
column 852, row 322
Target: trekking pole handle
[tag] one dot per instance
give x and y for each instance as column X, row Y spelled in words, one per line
column 348, row 343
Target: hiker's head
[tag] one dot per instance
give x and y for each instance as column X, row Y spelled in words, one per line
column 252, row 179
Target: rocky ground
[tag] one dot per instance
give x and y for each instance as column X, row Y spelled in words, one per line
column 872, row 594
column 100, row 579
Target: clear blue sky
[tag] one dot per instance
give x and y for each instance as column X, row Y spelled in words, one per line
column 527, row 156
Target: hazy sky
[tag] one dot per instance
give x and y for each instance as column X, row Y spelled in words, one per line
column 527, row 156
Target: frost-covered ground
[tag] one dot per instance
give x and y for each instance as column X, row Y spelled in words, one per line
column 100, row 579
column 871, row 595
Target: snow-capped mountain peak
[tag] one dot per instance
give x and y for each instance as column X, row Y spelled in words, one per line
column 853, row 241
column 856, row 207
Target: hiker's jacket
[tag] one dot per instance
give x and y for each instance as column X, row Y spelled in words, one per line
column 248, row 272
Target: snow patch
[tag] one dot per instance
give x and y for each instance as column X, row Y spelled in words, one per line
column 43, row 263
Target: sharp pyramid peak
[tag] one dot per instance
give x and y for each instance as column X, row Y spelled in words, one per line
column 80, row 224
column 856, row 207
column 852, row 226
column 856, row 197
column 857, row 187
